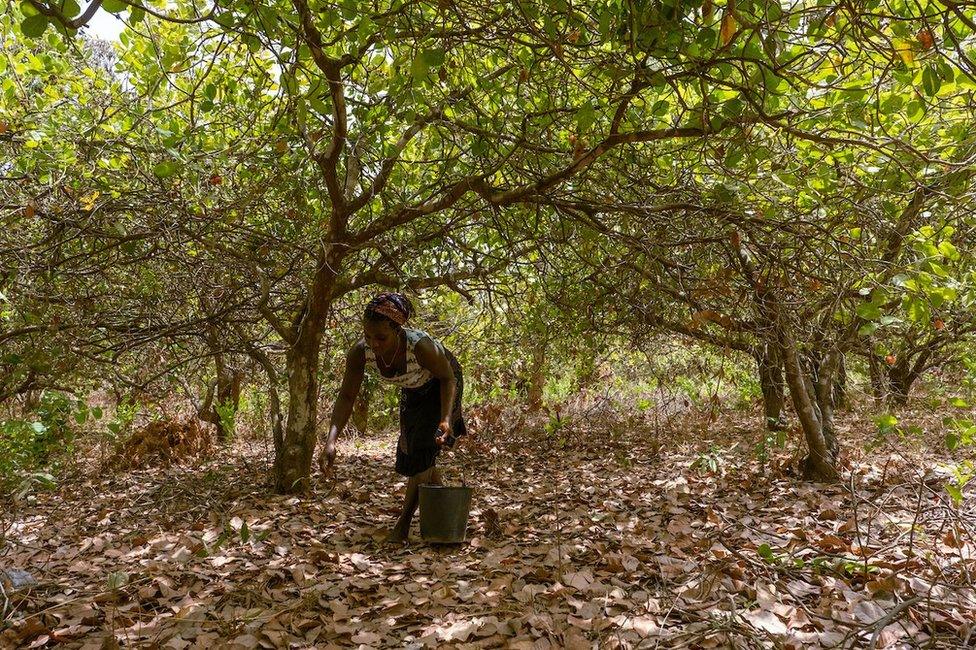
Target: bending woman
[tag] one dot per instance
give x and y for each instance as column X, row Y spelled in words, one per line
column 430, row 384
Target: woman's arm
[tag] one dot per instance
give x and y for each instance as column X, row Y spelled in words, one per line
column 352, row 380
column 435, row 360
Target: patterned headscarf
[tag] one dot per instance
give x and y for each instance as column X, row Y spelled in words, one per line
column 394, row 306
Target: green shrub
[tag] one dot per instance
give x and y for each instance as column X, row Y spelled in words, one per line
column 28, row 444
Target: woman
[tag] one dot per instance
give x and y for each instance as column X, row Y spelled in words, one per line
column 430, row 384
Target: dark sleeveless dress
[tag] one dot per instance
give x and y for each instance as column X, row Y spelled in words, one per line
column 420, row 408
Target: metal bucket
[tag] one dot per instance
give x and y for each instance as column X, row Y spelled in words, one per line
column 444, row 513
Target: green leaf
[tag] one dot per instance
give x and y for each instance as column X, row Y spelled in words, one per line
column 917, row 310
column 224, row 19
column 33, row 26
column 886, row 421
column 117, row 579
column 434, row 58
column 114, row 6
column 81, row 417
column 418, row 68
column 892, row 105
column 931, row 81
column 479, row 147
column 951, row 440
column 585, row 117
column 732, row 108
column 734, row 157
column 605, row 20
column 869, row 311
column 166, row 168
column 766, row 553
column 867, row 329
column 136, row 14
column 424, row 61
column 945, row 71
column 948, row 250
column 937, row 268
column 954, row 492
column 45, row 480
column 97, row 412
column 70, row 8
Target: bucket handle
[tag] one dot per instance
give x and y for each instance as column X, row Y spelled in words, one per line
column 457, row 462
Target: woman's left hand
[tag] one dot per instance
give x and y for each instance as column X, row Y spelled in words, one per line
column 444, row 429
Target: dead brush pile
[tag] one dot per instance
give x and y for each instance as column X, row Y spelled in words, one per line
column 162, row 443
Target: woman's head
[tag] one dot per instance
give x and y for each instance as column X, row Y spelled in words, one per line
column 383, row 318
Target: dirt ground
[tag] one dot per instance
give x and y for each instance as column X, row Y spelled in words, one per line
column 575, row 541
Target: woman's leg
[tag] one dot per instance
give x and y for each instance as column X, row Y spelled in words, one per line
column 401, row 530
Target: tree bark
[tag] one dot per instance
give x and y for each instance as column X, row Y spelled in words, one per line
column 819, row 462
column 879, row 379
column 293, row 465
column 893, row 384
column 823, row 373
column 537, row 378
column 277, row 421
column 293, row 462
column 840, row 383
column 771, row 381
column 899, row 382
column 816, row 422
column 228, row 393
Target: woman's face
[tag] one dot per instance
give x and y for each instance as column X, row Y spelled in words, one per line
column 381, row 337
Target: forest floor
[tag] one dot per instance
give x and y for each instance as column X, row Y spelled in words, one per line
column 577, row 540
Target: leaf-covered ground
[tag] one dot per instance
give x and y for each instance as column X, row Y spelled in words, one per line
column 684, row 540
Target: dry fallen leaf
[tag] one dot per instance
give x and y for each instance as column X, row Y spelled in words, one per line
column 767, row 621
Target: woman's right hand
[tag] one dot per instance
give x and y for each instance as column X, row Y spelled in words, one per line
column 327, row 459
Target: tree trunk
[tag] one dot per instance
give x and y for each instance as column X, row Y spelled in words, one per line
column 537, row 378
column 891, row 385
column 293, row 461
column 879, row 379
column 771, row 381
column 277, row 426
column 228, row 394
column 840, row 384
column 823, row 374
column 811, row 395
column 816, row 422
column 899, row 381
